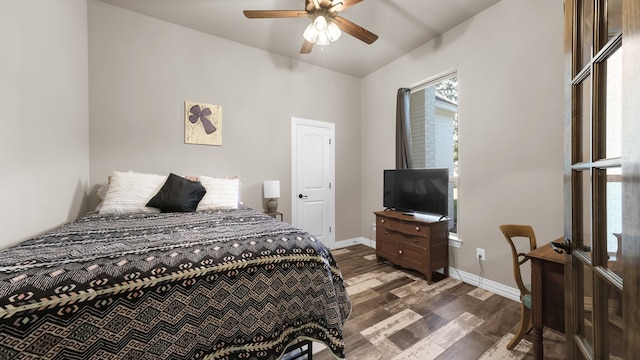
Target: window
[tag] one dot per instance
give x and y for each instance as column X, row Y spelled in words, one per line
column 434, row 132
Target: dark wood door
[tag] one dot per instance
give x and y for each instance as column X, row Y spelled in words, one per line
column 602, row 178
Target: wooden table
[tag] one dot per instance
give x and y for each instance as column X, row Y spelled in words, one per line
column 547, row 293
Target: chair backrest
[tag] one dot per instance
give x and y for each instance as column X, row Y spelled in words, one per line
column 513, row 232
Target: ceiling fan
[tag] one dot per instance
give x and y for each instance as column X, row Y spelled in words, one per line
column 326, row 24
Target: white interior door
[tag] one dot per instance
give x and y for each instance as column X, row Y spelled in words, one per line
column 312, row 190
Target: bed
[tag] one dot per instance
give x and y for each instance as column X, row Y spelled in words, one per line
column 207, row 284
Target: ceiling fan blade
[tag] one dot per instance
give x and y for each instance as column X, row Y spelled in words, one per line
column 306, row 48
column 271, row 14
column 354, row 30
column 347, row 4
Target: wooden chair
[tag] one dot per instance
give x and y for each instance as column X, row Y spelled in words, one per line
column 520, row 232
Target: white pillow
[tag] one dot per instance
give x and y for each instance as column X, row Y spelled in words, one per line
column 129, row 193
column 221, row 193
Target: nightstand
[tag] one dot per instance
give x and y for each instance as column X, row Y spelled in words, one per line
column 275, row 215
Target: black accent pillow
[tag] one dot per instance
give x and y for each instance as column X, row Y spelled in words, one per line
column 178, row 195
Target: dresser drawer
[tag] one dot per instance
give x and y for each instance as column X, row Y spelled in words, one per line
column 401, row 238
column 405, row 227
column 408, row 256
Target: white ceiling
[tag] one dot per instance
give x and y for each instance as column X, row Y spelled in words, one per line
column 402, row 25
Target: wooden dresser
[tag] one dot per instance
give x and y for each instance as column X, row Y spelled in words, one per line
column 412, row 242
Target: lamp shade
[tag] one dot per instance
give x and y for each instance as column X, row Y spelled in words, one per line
column 310, row 33
column 322, row 39
column 333, row 32
column 320, row 23
column 271, row 189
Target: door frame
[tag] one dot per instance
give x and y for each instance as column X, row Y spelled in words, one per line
column 295, row 122
column 631, row 180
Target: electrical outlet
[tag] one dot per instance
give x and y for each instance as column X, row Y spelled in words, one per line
column 480, row 254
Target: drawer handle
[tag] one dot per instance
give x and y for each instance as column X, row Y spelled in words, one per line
column 400, row 252
column 386, row 232
column 417, row 228
column 382, row 221
column 415, row 240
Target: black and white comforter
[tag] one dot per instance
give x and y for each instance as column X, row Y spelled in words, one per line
column 204, row 285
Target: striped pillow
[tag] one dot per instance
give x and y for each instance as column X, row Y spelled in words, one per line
column 129, row 193
column 221, row 193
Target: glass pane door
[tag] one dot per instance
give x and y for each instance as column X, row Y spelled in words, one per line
column 595, row 163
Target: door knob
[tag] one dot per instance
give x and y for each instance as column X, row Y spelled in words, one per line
column 302, row 196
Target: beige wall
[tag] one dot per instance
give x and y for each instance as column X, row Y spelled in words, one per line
column 510, row 76
column 44, row 128
column 141, row 72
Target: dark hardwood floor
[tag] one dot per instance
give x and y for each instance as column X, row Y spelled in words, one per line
column 397, row 315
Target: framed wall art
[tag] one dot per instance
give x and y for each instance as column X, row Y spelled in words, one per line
column 202, row 123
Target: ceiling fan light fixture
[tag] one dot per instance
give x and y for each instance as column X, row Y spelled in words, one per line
column 322, row 39
column 333, row 32
column 320, row 23
column 310, row 33
column 322, row 32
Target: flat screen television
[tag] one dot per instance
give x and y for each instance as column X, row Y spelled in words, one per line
column 417, row 190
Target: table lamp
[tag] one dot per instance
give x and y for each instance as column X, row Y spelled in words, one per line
column 272, row 193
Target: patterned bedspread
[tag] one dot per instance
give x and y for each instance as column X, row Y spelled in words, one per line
column 205, row 285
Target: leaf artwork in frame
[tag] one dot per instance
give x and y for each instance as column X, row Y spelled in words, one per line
column 202, row 123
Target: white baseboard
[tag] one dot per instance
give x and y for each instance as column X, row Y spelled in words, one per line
column 469, row 278
column 354, row 241
column 493, row 286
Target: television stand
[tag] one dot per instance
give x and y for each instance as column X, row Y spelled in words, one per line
column 412, row 243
